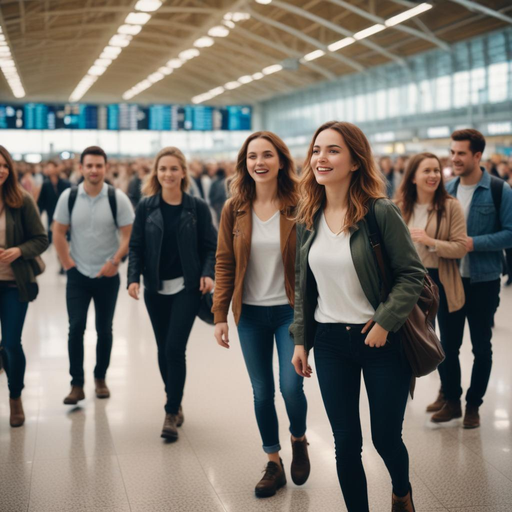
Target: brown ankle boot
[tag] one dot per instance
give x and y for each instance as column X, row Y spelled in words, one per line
column 273, row 479
column 102, row 390
column 438, row 404
column 450, row 411
column 471, row 418
column 301, row 466
column 17, row 415
column 404, row 504
column 75, row 395
column 180, row 417
column 170, row 430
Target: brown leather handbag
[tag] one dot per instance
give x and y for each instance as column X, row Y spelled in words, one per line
column 419, row 339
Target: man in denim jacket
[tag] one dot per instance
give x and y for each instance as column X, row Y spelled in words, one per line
column 489, row 232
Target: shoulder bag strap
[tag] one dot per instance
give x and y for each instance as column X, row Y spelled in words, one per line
column 113, row 202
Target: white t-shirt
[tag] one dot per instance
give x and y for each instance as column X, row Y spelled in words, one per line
column 465, row 196
column 340, row 296
column 264, row 278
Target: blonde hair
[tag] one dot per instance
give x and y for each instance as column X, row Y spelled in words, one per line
column 151, row 185
column 366, row 183
column 242, row 187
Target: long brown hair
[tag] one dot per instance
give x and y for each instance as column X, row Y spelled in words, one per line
column 151, row 185
column 407, row 194
column 243, row 187
column 366, row 182
column 11, row 190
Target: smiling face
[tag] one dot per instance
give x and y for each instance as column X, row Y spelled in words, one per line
column 463, row 159
column 4, row 170
column 427, row 176
column 170, row 173
column 262, row 161
column 94, row 168
column 331, row 160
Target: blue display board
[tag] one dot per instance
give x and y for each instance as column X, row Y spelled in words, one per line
column 124, row 116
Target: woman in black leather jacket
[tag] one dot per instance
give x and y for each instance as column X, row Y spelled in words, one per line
column 173, row 246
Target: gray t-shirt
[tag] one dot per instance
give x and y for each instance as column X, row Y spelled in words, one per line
column 94, row 236
column 465, row 196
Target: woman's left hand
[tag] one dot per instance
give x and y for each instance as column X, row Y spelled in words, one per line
column 419, row 236
column 377, row 337
column 9, row 255
column 205, row 285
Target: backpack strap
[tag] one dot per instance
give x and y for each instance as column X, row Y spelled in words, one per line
column 72, row 200
column 112, row 200
column 497, row 185
column 375, row 238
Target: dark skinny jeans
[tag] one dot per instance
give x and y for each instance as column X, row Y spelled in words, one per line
column 172, row 318
column 481, row 304
column 340, row 357
column 12, row 319
column 80, row 290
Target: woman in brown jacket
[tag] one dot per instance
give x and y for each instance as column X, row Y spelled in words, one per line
column 255, row 270
column 22, row 238
column 438, row 228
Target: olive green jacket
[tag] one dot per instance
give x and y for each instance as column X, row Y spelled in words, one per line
column 407, row 273
column 24, row 229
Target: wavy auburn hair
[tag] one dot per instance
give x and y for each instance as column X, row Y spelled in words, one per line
column 366, row 182
column 243, row 187
column 12, row 193
column 407, row 194
column 151, row 185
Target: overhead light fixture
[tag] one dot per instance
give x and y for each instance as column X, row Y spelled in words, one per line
column 156, row 77
column 188, row 54
column 174, row 63
column 237, row 16
column 97, row 70
column 272, row 69
column 258, row 76
column 8, row 67
column 164, row 70
column 204, row 42
column 137, row 18
column 264, row 2
column 342, row 43
column 314, row 55
column 370, row 31
column 131, row 30
column 400, row 18
column 232, row 85
column 103, row 62
column 246, row 79
column 217, row 91
column 228, row 23
column 111, row 51
column 120, row 40
column 148, row 5
column 218, row 31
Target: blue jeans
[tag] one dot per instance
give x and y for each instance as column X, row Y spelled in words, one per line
column 12, row 318
column 340, row 356
column 257, row 328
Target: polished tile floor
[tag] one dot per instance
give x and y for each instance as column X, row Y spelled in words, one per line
column 107, row 456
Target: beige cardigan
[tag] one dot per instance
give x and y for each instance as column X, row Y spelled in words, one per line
column 450, row 247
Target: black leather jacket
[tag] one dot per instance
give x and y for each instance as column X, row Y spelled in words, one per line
column 197, row 242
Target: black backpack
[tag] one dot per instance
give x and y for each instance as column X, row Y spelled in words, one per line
column 111, row 200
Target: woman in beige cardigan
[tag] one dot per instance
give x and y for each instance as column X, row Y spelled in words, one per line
column 438, row 229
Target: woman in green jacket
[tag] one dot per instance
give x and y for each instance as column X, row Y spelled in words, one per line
column 338, row 306
column 22, row 238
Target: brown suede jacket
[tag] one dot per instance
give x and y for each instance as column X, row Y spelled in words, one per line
column 233, row 251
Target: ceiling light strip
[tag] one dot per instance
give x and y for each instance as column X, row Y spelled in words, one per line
column 125, row 33
column 338, row 45
column 9, row 69
column 221, row 30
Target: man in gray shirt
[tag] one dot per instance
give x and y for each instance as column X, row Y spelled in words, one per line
column 100, row 222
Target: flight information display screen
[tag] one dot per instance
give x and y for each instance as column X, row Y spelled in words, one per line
column 124, row 116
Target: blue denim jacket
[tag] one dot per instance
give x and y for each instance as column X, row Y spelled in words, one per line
column 486, row 261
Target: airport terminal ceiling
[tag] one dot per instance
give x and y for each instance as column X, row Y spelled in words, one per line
column 183, row 51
